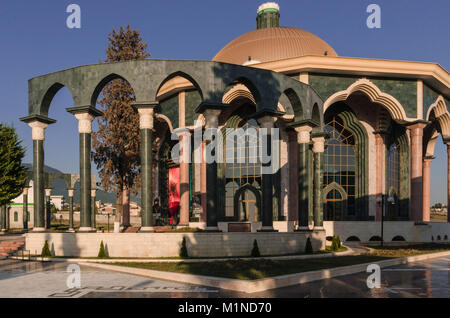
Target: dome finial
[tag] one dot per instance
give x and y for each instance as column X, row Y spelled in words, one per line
column 268, row 15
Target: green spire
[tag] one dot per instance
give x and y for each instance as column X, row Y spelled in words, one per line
column 268, row 15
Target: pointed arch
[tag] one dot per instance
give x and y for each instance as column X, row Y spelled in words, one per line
column 251, row 87
column 99, row 87
column 50, row 94
column 375, row 95
column 441, row 114
column 183, row 75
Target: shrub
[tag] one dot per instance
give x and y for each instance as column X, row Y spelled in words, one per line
column 255, row 249
column 308, row 247
column 334, row 243
column 339, row 241
column 46, row 250
column 102, row 251
column 183, row 249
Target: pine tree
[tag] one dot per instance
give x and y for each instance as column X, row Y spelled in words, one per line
column 46, row 250
column 12, row 173
column 308, row 247
column 255, row 250
column 117, row 141
column 183, row 249
column 102, row 251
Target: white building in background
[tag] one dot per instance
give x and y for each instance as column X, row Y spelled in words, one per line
column 58, row 201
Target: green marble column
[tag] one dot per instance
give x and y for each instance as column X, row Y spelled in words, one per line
column 211, row 195
column 93, row 215
column 48, row 212
column 85, row 181
column 146, row 176
column 3, row 218
column 317, row 195
column 267, row 195
column 71, row 212
column 38, row 185
column 303, row 206
column 25, row 211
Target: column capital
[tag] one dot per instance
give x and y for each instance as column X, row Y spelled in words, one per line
column 266, row 121
column 211, row 118
column 146, row 112
column 416, row 127
column 70, row 192
column 93, row 193
column 318, row 140
column 38, row 130
column 85, row 115
column 48, row 192
column 303, row 134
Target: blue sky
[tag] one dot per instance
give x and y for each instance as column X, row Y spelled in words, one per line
column 36, row 41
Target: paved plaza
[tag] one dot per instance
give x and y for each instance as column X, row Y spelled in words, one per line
column 48, row 280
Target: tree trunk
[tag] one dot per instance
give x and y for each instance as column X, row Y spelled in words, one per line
column 126, row 206
column 118, row 217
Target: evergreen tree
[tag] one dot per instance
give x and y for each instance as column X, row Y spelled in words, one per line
column 183, row 249
column 12, row 173
column 46, row 250
column 308, row 247
column 102, row 251
column 117, row 141
column 255, row 250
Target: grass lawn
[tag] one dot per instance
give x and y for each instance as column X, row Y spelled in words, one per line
column 260, row 268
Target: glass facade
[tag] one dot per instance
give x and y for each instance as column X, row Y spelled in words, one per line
column 244, row 169
column 339, row 167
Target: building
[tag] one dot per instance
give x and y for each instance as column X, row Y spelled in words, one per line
column 355, row 136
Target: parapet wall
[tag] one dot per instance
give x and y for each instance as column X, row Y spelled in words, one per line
column 168, row 244
column 408, row 230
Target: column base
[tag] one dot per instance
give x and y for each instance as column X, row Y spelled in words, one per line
column 267, row 229
column 147, row 229
column 318, row 228
column 303, row 229
column 87, row 229
column 212, row 229
column 71, row 230
column 39, row 229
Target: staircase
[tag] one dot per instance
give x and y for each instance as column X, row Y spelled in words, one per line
column 9, row 247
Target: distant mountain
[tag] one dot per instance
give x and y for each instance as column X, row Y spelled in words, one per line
column 59, row 188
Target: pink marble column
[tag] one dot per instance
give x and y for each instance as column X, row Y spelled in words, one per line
column 416, row 171
column 379, row 144
column 203, row 182
column 184, row 179
column 426, row 188
column 448, row 181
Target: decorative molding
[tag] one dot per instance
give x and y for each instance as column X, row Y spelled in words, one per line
column 375, row 95
column 442, row 116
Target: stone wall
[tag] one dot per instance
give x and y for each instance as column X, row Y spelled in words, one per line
column 407, row 229
column 168, row 244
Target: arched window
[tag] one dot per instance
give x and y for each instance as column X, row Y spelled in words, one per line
column 340, row 162
column 245, row 168
column 334, row 206
column 16, row 217
column 392, row 168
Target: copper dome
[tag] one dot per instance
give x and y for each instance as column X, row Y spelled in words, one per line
column 272, row 44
